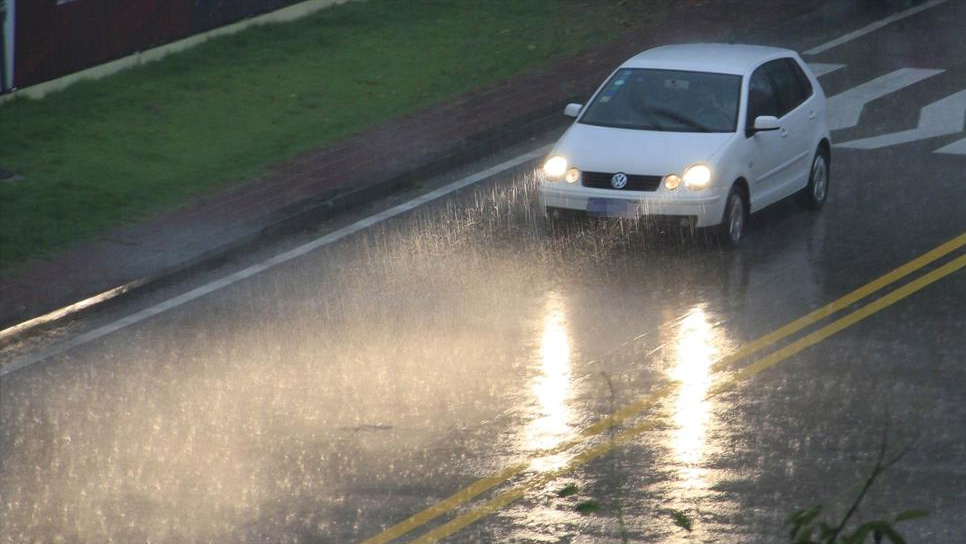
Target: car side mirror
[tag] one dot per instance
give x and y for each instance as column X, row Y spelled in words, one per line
column 765, row 123
column 573, row 110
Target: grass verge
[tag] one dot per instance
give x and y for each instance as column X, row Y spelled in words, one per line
column 107, row 152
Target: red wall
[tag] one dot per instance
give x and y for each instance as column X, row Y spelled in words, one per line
column 53, row 38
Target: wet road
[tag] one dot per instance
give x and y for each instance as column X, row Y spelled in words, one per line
column 332, row 396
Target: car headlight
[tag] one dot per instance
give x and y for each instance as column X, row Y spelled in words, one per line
column 697, row 177
column 555, row 167
column 572, row 175
column 672, row 181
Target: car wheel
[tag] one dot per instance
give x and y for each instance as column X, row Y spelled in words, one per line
column 816, row 191
column 733, row 222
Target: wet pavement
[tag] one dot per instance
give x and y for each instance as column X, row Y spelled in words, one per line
column 332, row 396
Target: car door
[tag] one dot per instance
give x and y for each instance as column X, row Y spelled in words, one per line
column 795, row 119
column 768, row 149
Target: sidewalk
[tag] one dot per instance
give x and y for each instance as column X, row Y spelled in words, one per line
column 302, row 191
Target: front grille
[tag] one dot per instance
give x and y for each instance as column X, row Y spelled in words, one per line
column 635, row 182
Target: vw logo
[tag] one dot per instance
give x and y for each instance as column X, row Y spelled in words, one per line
column 619, row 180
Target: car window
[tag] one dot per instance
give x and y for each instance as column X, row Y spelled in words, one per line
column 667, row 100
column 803, row 81
column 788, row 88
column 762, row 99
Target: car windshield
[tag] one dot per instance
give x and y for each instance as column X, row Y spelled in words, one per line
column 667, row 100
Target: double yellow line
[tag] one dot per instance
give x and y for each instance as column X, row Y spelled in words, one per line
column 634, row 409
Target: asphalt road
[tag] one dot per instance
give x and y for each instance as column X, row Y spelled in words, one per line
column 334, row 395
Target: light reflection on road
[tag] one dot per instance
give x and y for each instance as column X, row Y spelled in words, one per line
column 697, row 345
column 552, row 388
column 550, row 417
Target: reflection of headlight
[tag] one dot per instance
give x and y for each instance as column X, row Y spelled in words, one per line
column 555, row 167
column 572, row 175
column 697, row 177
column 672, row 181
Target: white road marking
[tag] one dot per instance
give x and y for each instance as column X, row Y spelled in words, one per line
column 821, row 68
column 873, row 27
column 958, row 148
column 940, row 118
column 844, row 109
column 265, row 265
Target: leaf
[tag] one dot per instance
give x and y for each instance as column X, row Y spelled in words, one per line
column 862, row 531
column 878, row 528
column 893, row 535
column 806, row 514
column 810, row 514
column 804, row 535
column 568, row 490
column 800, row 518
column 910, row 514
column 681, row 519
column 587, row 507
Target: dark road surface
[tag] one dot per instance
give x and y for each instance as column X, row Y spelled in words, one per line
column 332, row 396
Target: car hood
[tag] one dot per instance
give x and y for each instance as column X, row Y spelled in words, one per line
column 608, row 149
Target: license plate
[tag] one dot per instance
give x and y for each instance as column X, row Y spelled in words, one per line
column 613, row 207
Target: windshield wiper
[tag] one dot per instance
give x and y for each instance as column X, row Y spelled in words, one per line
column 680, row 118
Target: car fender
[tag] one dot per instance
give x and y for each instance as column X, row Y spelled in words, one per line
column 730, row 161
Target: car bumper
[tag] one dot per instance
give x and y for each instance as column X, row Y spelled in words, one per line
column 705, row 209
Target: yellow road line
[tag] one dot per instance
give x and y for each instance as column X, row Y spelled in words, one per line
column 849, row 319
column 462, row 496
column 518, row 492
column 637, row 407
column 746, row 373
column 845, row 301
column 485, row 484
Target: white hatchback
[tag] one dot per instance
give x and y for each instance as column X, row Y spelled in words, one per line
column 700, row 135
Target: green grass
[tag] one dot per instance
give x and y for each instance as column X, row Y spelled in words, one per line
column 104, row 153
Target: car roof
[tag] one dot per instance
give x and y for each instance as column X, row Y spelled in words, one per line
column 722, row 58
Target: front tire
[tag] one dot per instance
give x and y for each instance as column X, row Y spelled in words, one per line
column 816, row 192
column 735, row 216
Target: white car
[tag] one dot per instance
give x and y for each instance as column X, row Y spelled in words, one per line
column 698, row 134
